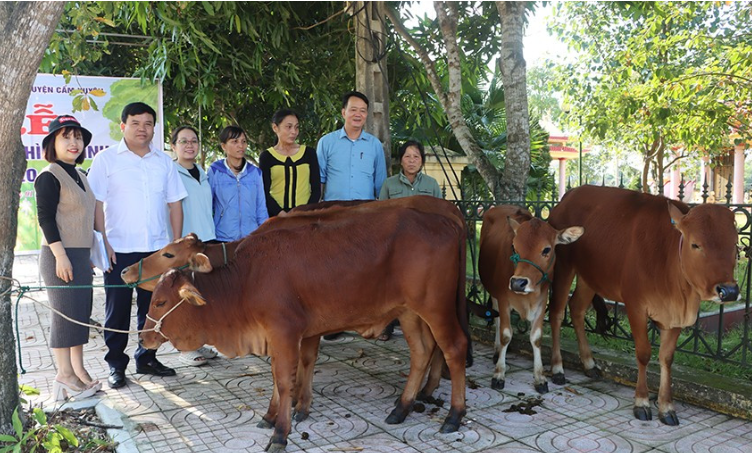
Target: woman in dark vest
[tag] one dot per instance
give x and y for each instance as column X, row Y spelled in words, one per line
column 65, row 206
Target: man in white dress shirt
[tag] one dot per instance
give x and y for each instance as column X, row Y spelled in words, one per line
column 138, row 192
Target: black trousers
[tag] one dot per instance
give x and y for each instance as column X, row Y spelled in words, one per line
column 118, row 314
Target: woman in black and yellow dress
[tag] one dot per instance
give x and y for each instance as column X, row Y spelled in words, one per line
column 290, row 171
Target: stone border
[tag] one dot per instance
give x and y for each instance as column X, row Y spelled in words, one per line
column 109, row 416
column 722, row 394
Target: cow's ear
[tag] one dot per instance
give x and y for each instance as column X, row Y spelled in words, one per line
column 513, row 223
column 569, row 235
column 200, row 263
column 191, row 294
column 676, row 215
column 191, row 238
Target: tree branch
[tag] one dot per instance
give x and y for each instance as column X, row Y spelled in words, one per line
column 430, row 66
column 706, row 74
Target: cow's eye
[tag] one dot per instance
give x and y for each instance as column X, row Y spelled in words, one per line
column 546, row 251
column 168, row 255
column 160, row 304
column 696, row 247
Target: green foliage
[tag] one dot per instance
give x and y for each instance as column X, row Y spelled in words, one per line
column 237, row 61
column 676, row 73
column 52, row 438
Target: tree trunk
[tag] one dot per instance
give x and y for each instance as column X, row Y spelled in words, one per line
column 370, row 70
column 450, row 99
column 25, row 30
column 514, row 76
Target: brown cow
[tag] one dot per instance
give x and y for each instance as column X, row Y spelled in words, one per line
column 657, row 256
column 515, row 264
column 179, row 252
column 289, row 286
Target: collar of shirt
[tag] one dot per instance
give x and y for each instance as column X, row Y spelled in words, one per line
column 404, row 179
column 122, row 147
column 343, row 134
column 232, row 172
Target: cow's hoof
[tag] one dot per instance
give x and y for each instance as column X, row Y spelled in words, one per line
column 541, row 388
column 642, row 413
column 275, row 447
column 594, row 373
column 299, row 416
column 559, row 379
column 397, row 416
column 265, row 424
column 495, row 357
column 669, row 418
column 497, row 384
column 449, row 427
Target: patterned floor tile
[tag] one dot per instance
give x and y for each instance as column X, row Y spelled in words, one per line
column 709, row 441
column 581, row 437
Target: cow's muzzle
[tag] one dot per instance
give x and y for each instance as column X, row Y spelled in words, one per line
column 727, row 292
column 519, row 285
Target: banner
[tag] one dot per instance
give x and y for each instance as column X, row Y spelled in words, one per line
column 98, row 102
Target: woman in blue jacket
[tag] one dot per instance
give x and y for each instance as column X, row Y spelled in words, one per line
column 238, row 199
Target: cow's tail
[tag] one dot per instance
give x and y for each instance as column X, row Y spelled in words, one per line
column 462, row 308
column 602, row 321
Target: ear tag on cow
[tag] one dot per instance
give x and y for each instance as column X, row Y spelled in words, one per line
column 673, row 222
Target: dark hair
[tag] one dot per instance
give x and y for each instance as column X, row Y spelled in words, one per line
column 281, row 114
column 137, row 108
column 49, row 150
column 356, row 94
column 174, row 136
column 231, row 132
column 409, row 143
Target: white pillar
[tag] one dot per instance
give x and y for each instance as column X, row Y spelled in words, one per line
column 562, row 177
column 738, row 196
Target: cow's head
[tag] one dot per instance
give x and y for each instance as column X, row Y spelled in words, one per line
column 174, row 254
column 707, row 250
column 534, row 242
column 170, row 313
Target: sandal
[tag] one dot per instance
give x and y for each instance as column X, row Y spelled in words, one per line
column 384, row 337
column 207, row 353
column 192, row 358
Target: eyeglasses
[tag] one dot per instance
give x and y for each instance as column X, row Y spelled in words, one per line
column 183, row 141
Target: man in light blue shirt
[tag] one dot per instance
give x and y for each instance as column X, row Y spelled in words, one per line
column 351, row 160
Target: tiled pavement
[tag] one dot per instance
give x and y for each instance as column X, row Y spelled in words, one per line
column 215, row 408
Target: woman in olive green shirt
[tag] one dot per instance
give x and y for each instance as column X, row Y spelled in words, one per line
column 410, row 180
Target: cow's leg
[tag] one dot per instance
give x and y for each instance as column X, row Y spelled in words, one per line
column 284, row 369
column 497, row 340
column 421, row 343
column 556, row 309
column 268, row 420
column 666, row 412
column 454, row 345
column 434, row 377
column 503, row 338
column 536, row 333
column 309, row 351
column 578, row 305
column 638, row 322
